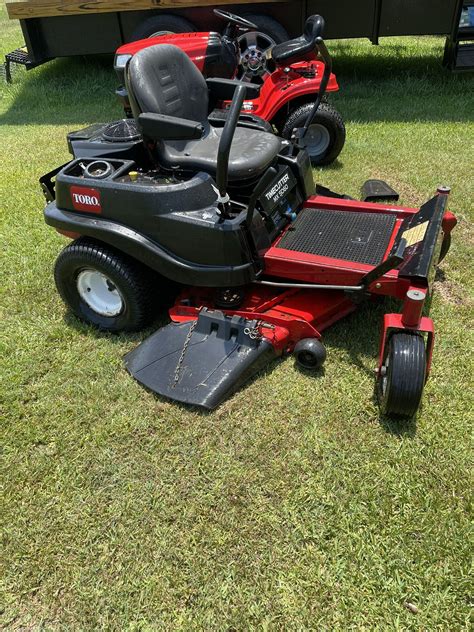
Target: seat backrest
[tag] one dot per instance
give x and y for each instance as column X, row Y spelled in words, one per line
column 163, row 80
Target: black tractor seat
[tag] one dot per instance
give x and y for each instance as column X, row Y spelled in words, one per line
column 162, row 81
column 252, row 152
column 294, row 49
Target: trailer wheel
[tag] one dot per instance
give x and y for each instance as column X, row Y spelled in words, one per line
column 255, row 46
column 162, row 25
column 105, row 288
column 325, row 137
column 402, row 376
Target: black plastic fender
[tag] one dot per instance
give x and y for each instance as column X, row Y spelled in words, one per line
column 149, row 252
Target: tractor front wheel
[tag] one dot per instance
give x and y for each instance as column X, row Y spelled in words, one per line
column 402, row 375
column 325, row 137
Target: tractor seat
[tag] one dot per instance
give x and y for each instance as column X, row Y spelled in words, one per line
column 251, row 153
column 294, row 49
column 163, row 80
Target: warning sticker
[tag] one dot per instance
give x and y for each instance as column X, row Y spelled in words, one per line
column 415, row 234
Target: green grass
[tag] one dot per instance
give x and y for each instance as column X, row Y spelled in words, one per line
column 293, row 506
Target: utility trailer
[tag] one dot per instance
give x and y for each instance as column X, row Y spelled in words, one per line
column 62, row 28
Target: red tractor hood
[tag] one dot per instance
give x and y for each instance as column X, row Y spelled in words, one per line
column 193, row 44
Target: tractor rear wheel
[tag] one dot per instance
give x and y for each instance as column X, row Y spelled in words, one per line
column 325, row 137
column 106, row 288
column 162, row 25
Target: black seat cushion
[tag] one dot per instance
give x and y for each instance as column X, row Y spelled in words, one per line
column 251, row 153
column 296, row 48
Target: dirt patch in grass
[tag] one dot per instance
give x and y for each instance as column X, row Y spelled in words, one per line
column 451, row 292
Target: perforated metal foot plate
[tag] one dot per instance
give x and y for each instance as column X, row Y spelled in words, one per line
column 347, row 235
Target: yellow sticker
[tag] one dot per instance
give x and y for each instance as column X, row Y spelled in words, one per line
column 415, row 234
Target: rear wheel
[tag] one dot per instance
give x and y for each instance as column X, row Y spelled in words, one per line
column 402, row 375
column 106, row 288
column 325, row 137
column 255, row 47
column 162, row 25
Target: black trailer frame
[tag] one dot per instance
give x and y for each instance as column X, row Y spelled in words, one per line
column 50, row 36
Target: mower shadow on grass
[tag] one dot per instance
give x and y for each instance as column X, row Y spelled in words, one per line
column 405, row 428
column 358, row 336
column 119, row 339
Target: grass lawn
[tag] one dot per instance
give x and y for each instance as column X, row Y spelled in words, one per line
column 293, row 506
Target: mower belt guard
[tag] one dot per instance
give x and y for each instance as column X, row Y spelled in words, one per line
column 200, row 362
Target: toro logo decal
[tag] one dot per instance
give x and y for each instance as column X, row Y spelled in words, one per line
column 86, row 199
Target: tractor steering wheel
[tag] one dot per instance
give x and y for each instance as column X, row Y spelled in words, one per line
column 235, row 19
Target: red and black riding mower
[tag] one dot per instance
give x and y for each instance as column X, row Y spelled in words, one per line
column 290, row 75
column 227, row 217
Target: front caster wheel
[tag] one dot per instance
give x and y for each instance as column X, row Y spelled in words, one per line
column 310, row 353
column 402, row 375
column 105, row 288
column 326, row 135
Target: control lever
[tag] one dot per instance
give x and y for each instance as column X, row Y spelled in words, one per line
column 223, row 150
column 385, row 266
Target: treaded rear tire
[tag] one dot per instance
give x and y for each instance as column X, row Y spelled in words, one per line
column 137, row 284
column 326, row 116
column 157, row 23
column 269, row 26
column 401, row 388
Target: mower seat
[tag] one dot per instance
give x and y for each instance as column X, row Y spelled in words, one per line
column 294, row 49
column 163, row 80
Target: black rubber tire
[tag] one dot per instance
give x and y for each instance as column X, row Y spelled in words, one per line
column 136, row 283
column 445, row 246
column 269, row 26
column 401, row 389
column 310, row 354
column 166, row 22
column 327, row 116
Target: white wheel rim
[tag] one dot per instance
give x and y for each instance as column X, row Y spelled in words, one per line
column 316, row 140
column 255, row 51
column 99, row 293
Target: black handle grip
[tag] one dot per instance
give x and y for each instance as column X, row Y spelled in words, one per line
column 323, row 51
column 314, row 26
